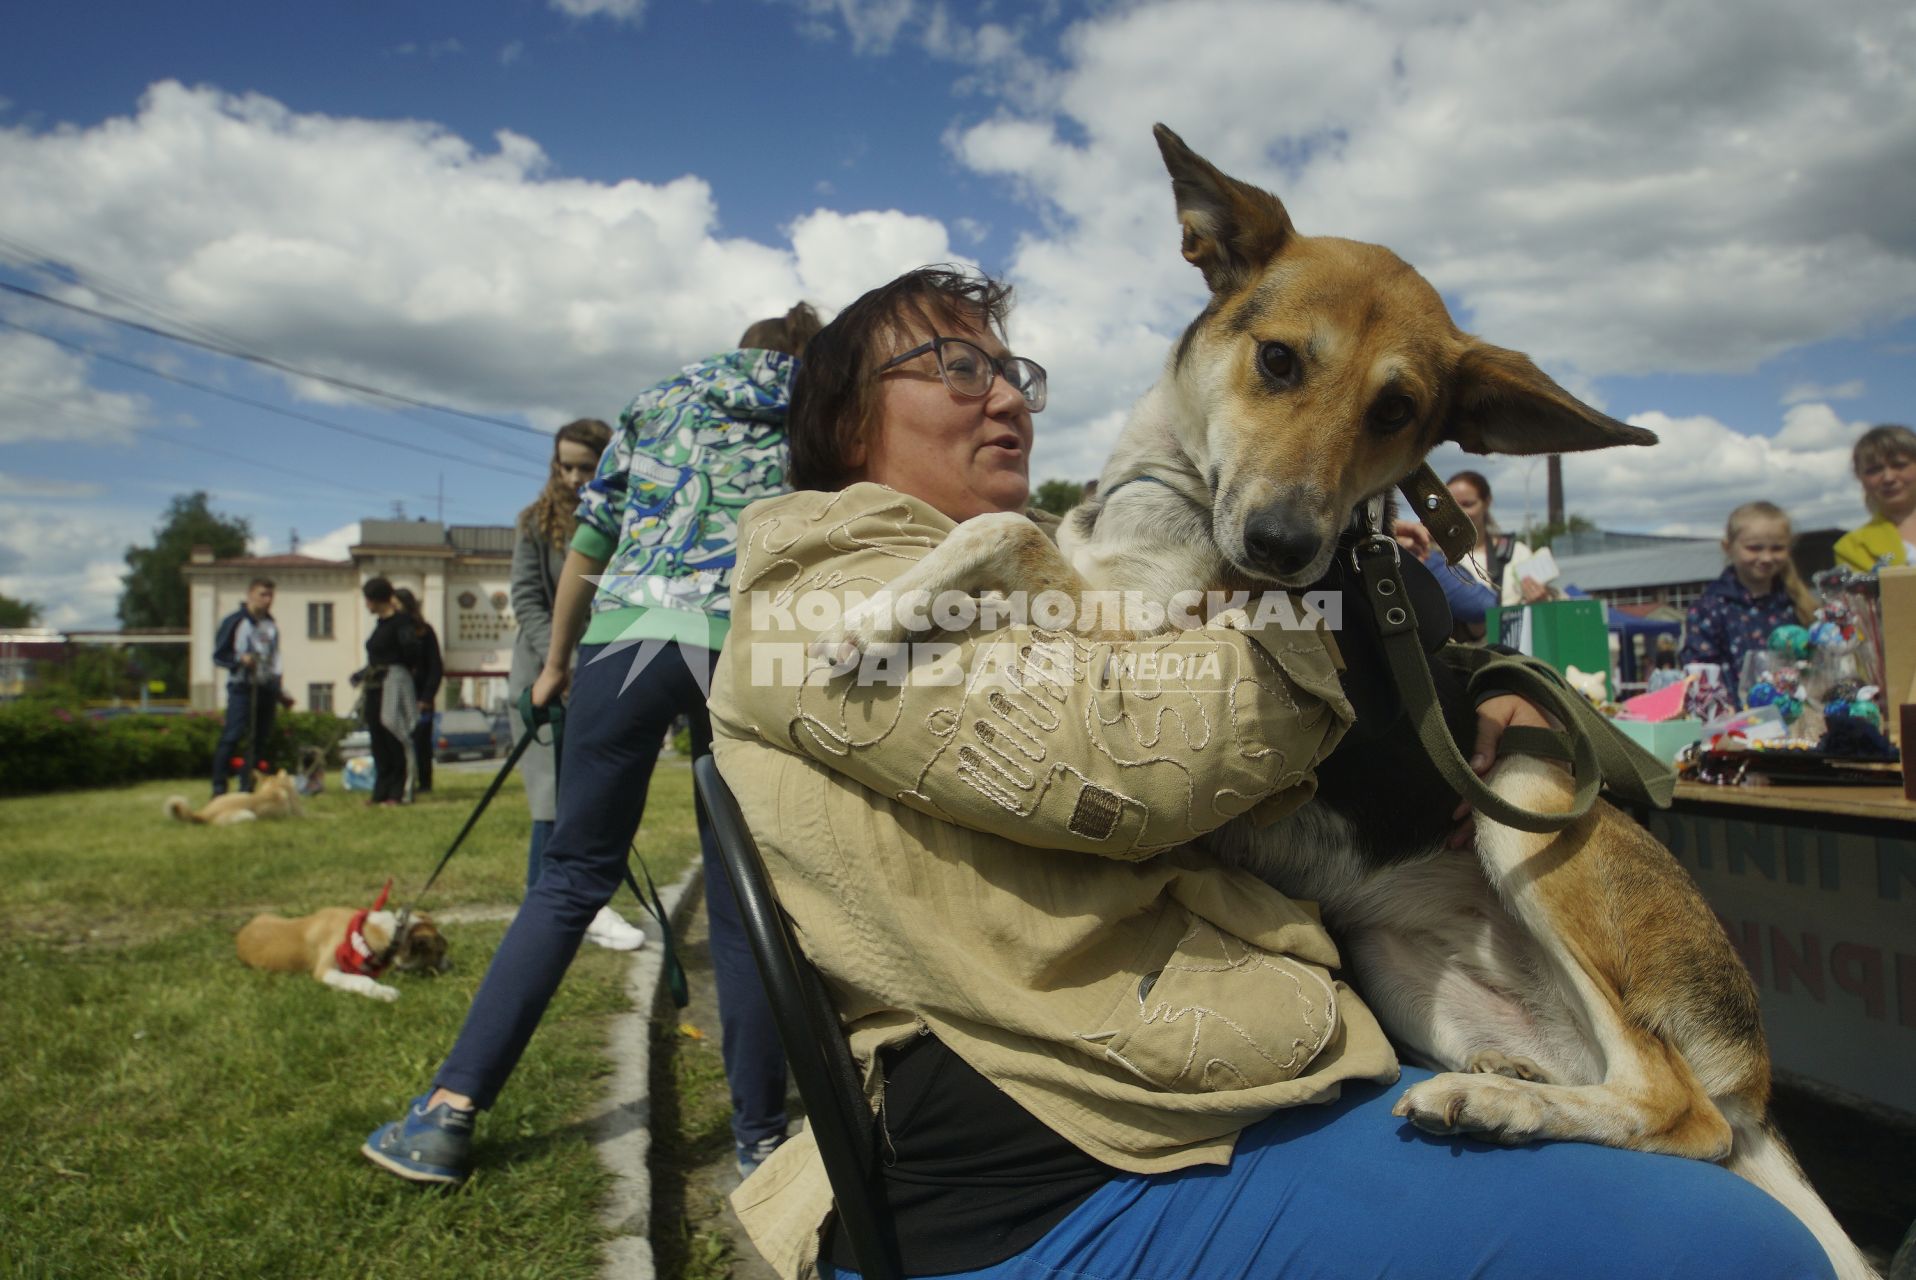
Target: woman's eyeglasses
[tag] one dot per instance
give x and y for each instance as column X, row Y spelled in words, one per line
column 968, row 370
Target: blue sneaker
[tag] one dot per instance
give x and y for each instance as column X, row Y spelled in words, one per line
column 751, row 1157
column 427, row 1146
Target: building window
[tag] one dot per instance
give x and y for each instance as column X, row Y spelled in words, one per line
column 319, row 697
column 319, row 621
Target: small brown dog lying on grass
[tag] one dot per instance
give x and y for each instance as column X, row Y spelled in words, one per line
column 276, row 797
column 344, row 948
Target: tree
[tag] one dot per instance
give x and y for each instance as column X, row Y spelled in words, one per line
column 155, row 592
column 18, row 613
column 1058, row 496
column 1540, row 536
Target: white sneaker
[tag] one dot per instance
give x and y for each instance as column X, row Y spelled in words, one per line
column 611, row 930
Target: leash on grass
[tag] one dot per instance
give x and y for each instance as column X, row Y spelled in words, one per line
column 1595, row 751
column 536, row 718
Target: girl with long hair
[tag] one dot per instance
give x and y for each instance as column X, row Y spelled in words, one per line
column 545, row 528
column 1758, row 592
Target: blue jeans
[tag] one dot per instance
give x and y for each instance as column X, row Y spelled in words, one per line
column 536, row 851
column 612, row 743
column 265, row 705
column 1348, row 1190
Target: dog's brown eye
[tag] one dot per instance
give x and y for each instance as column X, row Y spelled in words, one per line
column 1393, row 413
column 1278, row 361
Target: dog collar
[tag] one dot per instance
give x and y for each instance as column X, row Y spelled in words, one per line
column 356, row 955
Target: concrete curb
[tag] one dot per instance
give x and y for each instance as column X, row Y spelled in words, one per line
column 622, row 1129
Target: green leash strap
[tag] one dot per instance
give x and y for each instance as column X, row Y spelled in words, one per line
column 1628, row 768
column 655, row 907
column 1589, row 743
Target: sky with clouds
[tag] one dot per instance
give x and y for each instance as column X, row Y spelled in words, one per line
column 1699, row 216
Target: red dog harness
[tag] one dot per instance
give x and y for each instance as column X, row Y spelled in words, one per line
column 354, row 954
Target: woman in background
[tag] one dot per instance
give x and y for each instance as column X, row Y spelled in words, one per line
column 545, row 530
column 1498, row 553
column 428, row 672
column 1757, row 593
column 386, row 693
column 1885, row 463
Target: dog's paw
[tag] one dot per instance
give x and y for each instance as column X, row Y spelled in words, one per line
column 1493, row 1062
column 866, row 626
column 1491, row 1107
column 388, row 994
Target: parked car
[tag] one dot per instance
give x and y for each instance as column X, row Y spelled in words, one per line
column 462, row 733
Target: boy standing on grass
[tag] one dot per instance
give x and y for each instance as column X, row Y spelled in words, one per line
column 247, row 645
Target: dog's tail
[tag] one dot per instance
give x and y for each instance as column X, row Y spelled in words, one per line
column 180, row 809
column 1760, row 1155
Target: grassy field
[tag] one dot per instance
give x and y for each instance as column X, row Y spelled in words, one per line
column 169, row 1112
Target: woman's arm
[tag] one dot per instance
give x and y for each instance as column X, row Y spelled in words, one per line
column 570, row 608
column 1469, row 598
column 1047, row 738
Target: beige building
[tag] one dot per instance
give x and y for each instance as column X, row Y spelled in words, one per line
column 460, row 575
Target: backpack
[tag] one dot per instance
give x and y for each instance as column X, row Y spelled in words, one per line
column 223, row 655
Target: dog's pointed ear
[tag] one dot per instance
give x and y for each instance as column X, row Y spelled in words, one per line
column 1503, row 403
column 1231, row 229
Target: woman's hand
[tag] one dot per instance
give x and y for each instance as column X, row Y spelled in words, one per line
column 1534, row 592
column 1412, row 537
column 551, row 684
column 1493, row 717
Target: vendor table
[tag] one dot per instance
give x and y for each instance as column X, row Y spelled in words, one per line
column 1817, row 888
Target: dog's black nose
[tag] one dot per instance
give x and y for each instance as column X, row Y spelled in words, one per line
column 1278, row 543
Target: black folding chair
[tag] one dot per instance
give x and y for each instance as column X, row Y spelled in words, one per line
column 814, row 1042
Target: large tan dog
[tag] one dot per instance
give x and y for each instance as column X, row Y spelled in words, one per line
column 276, row 796
column 1568, row 987
column 344, row 948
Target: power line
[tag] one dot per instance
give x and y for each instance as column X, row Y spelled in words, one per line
column 226, row 455
column 32, row 257
column 94, row 352
column 240, row 353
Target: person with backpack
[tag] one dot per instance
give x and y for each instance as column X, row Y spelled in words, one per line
column 247, row 646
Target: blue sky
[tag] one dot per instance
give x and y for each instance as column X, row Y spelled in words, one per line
column 1700, row 220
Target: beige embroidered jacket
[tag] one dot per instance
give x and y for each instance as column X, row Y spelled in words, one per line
column 1001, row 859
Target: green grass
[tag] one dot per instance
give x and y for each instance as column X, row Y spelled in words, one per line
column 169, row 1112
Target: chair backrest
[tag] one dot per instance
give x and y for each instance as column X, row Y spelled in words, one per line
column 814, row 1042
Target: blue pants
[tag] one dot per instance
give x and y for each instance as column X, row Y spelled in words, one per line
column 1350, row 1192
column 612, row 743
column 233, row 741
column 536, row 851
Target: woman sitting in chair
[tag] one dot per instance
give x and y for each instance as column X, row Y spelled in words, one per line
column 993, row 878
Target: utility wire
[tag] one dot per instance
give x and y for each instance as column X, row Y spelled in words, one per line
column 149, row 433
column 240, row 353
column 83, row 349
column 32, row 257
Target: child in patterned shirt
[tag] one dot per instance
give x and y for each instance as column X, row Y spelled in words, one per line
column 1759, row 592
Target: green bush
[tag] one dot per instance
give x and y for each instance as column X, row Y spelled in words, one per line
column 52, row 748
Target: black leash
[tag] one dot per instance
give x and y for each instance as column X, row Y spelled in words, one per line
column 536, row 718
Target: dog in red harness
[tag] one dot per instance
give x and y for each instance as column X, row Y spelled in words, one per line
column 345, row 948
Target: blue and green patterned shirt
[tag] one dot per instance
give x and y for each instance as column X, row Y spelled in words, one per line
column 689, row 456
